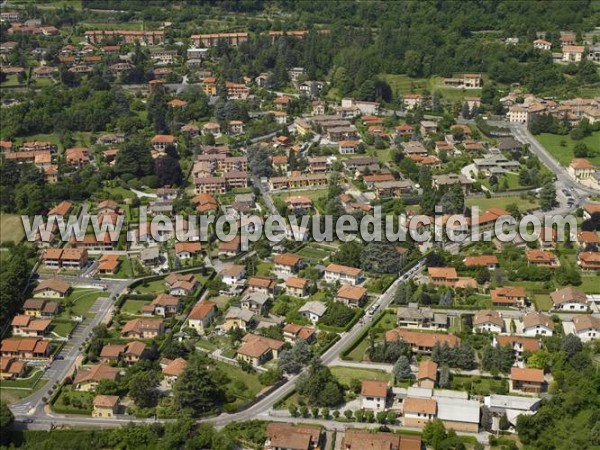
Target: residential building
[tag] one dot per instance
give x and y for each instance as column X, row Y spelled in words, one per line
column 488, row 321
column 293, row 332
column 362, row 439
column 256, row 350
column 26, row 348
column 284, row 436
column 587, row 327
column 343, row 274
column 542, row 258
column 447, row 180
column 537, row 324
column 172, row 369
column 163, row 305
column 581, row 169
column 299, row 205
column 38, row 307
column 230, row 248
column 297, row 287
column 313, row 310
column 414, row 316
column 572, row 53
column 421, row 343
column 233, row 274
column 125, row 36
column 427, row 375
column 510, row 406
column 286, row 263
column 541, row 44
column 445, row 276
column 142, row 329
column 354, row 296
column 87, row 378
column 509, row 296
column 52, row 287
column 569, row 299
column 238, row 318
column 202, row 316
column 527, row 380
column 105, row 406
column 24, row 325
column 520, row 345
column 11, row 368
column 373, row 395
column 257, row 302
column 589, row 260
column 488, row 261
column 418, row 411
column 187, row 250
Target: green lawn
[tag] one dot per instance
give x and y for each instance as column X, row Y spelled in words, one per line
column 590, row 284
column 403, row 84
column 118, row 190
column 70, row 401
column 80, row 301
column 133, row 306
column 29, row 381
column 63, row 328
column 243, row 386
column 313, row 194
column 385, row 323
column 153, row 287
column 564, row 155
column 345, row 375
column 264, row 268
column 502, row 202
column 11, row 228
column 11, row 81
column 479, row 385
column 314, row 255
column 543, row 302
column 53, row 138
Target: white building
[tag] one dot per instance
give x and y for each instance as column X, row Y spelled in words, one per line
column 313, row 311
column 537, row 324
column 373, row 395
column 488, row 321
column 587, row 327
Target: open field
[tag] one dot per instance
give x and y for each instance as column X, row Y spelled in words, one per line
column 313, row 194
column 479, row 385
column 345, row 375
column 244, row 386
column 564, row 154
column 133, row 306
column 11, row 228
column 403, row 84
column 524, row 204
column 313, row 254
column 80, row 301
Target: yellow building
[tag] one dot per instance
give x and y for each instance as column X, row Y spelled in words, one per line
column 105, row 406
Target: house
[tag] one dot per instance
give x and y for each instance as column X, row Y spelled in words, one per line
column 160, row 142
column 41, row 308
column 349, row 295
column 230, row 248
column 313, row 310
column 587, row 327
column 112, row 353
column 569, row 299
column 448, row 180
column 263, row 285
column 412, row 101
column 428, row 127
column 293, row 332
column 586, row 238
column 445, row 276
column 488, row 321
column 133, row 352
column 23, row 325
column 348, row 147
column 163, row 305
column 105, row 406
column 108, row 264
column 297, row 287
column 581, row 169
column 519, row 344
column 87, row 378
column 589, row 260
column 488, row 261
column 284, row 436
column 421, row 343
column 527, row 380
column 150, row 256
column 537, row 324
column 413, row 316
column 26, row 348
column 589, row 209
column 299, row 205
column 510, row 406
column 418, row 411
column 238, row 318
column 458, row 414
column 77, row 157
column 235, row 127
column 373, row 395
column 343, row 274
column 257, row 302
column 427, row 375
column 205, row 203
column 180, row 284
column 187, row 250
column 53, row 287
column 233, row 274
column 11, row 368
column 256, row 350
column 541, row 258
column 509, row 296
column 142, row 329
column 355, row 439
column 286, row 263
column 572, row 53
column 172, row 369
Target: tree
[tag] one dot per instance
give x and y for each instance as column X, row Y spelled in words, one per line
column 434, row 433
column 401, row 368
column 571, row 345
column 142, row 389
column 168, row 171
column 292, row 361
column 444, row 381
column 547, row 196
column 6, row 421
column 319, row 386
column 349, row 253
column 195, row 389
column 367, row 91
column 380, row 257
column 504, row 424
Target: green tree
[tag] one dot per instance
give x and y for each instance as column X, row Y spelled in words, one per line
column 547, row 196
column 142, row 389
column 195, row 389
column 401, row 368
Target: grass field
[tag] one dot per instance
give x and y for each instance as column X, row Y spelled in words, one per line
column 244, row 386
column 81, row 300
column 63, row 328
column 403, row 84
column 133, row 306
column 501, row 202
column 11, row 228
column 345, row 375
column 543, row 302
column 313, row 194
column 479, row 385
column 118, row 190
column 314, row 255
column 564, row 155
column 387, row 322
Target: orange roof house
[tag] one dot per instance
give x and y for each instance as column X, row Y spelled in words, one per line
column 421, row 342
